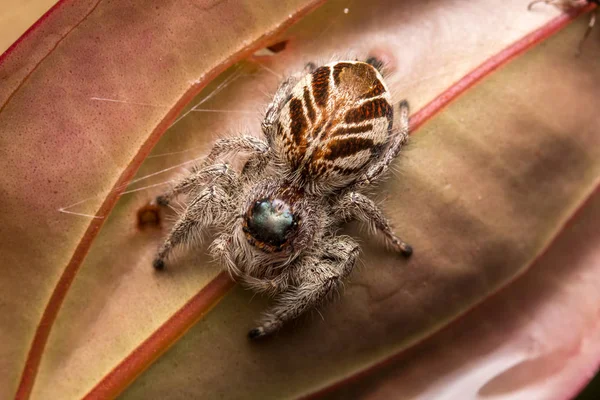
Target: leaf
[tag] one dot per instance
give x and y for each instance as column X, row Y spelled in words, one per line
column 60, row 145
column 483, row 190
column 118, row 316
column 537, row 338
column 16, row 20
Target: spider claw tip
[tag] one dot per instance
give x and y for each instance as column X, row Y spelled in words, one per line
column 158, row 264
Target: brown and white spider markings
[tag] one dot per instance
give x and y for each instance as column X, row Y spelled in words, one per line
column 329, row 135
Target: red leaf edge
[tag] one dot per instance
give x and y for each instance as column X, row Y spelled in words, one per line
column 164, row 337
column 133, row 365
column 42, row 333
column 31, row 29
column 38, row 24
column 124, row 373
column 406, row 353
column 495, row 62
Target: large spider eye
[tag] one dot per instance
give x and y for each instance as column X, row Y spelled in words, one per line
column 270, row 221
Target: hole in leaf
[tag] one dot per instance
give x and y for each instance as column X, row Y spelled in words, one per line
column 272, row 49
column 278, row 47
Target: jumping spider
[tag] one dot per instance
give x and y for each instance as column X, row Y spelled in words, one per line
column 329, row 134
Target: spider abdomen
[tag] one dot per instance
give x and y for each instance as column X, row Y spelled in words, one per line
column 336, row 122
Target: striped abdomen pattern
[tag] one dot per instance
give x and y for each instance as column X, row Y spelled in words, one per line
column 336, row 122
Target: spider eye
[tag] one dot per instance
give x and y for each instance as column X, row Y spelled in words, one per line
column 270, row 221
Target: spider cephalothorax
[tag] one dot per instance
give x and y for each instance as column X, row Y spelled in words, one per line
column 271, row 223
column 329, row 134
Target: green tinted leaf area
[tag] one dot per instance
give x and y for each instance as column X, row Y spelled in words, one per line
column 480, row 192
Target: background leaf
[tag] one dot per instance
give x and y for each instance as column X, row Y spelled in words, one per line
column 59, row 145
column 483, row 189
column 462, row 174
column 536, row 339
column 17, row 17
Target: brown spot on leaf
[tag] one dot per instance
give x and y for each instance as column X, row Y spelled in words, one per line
column 278, row 47
column 148, row 216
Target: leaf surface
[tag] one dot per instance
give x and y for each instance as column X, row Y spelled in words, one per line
column 536, row 339
column 109, row 79
column 482, row 191
column 60, row 145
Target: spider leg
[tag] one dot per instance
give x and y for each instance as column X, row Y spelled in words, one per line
column 569, row 4
column 205, row 171
column 213, row 173
column 588, row 30
column 315, row 278
column 255, row 165
column 236, row 144
column 399, row 138
column 220, row 250
column 271, row 287
column 208, row 208
column 358, row 206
